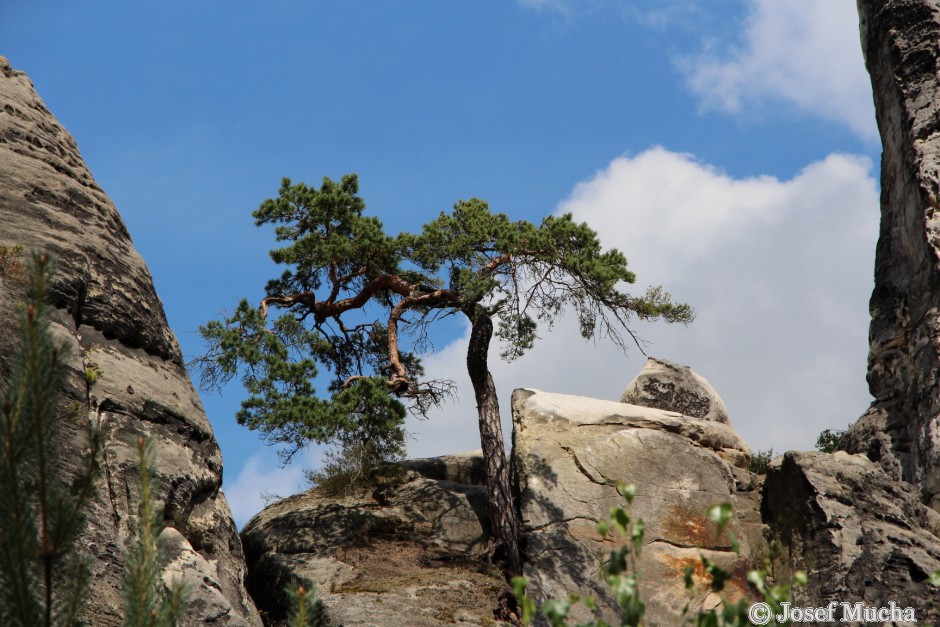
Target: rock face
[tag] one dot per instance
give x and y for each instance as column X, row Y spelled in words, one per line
column 408, row 554
column 464, row 468
column 570, row 451
column 107, row 313
column 857, row 523
column 860, row 535
column 665, row 385
column 901, row 431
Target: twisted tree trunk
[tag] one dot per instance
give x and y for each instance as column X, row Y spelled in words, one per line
column 500, row 505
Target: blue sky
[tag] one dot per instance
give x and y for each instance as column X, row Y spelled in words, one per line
column 728, row 148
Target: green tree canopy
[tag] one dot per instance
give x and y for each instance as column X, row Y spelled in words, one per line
column 350, row 292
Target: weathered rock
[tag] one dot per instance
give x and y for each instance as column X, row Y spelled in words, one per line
column 570, row 451
column 410, row 554
column 665, row 385
column 900, row 42
column 459, row 468
column 183, row 565
column 861, row 535
column 107, row 313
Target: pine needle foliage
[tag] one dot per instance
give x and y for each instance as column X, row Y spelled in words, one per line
column 304, row 609
column 43, row 581
column 147, row 601
column 340, row 261
column 279, row 363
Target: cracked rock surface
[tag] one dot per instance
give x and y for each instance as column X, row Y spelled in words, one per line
column 407, row 554
column 665, row 385
column 569, row 453
column 108, row 313
column 859, row 534
column 901, row 430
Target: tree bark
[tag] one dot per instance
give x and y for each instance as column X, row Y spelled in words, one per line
column 500, row 506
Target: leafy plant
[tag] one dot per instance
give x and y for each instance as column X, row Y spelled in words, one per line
column 621, row 575
column 43, row 581
column 92, row 374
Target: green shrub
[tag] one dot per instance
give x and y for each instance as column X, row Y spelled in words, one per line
column 828, row 440
column 355, row 467
column 760, row 461
column 12, row 263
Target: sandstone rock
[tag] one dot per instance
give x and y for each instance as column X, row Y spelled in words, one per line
column 108, row 313
column 568, row 454
column 406, row 555
column 870, row 436
column 900, row 42
column 187, row 567
column 459, row 468
column 860, row 535
column 665, row 385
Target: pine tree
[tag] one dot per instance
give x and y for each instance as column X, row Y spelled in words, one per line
column 351, row 291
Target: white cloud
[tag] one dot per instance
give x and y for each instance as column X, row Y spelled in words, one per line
column 806, row 52
column 561, row 6
column 661, row 15
column 262, row 476
column 779, row 272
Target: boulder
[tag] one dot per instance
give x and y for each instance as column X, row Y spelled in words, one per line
column 665, row 385
column 568, row 454
column 107, row 313
column 412, row 553
column 458, row 468
column 861, row 535
column 900, row 44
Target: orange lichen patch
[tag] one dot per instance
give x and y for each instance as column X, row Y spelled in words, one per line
column 677, row 564
column 737, row 587
column 671, row 575
column 686, row 526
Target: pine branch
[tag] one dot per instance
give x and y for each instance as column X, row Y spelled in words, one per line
column 42, row 577
column 147, row 602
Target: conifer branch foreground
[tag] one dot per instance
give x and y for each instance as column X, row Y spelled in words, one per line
column 43, row 581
